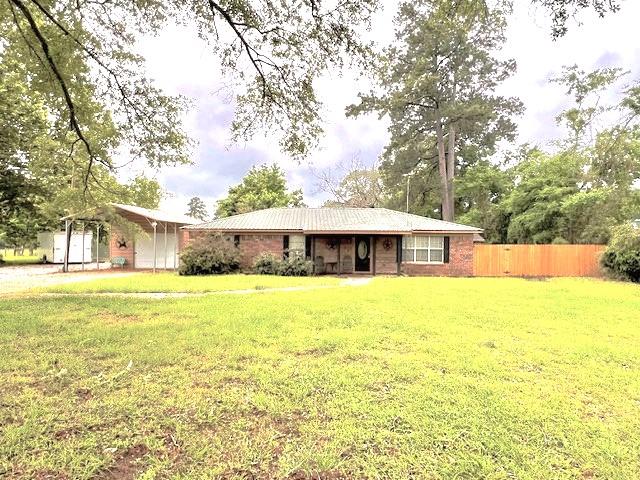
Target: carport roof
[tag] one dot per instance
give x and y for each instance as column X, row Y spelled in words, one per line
column 332, row 220
column 131, row 211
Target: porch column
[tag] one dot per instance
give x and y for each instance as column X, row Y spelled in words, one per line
column 399, row 253
column 313, row 253
column 338, row 269
column 373, row 254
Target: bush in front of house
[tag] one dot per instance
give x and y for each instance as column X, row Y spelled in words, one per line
column 208, row 255
column 622, row 256
column 295, row 267
column 270, row 264
column 267, row 264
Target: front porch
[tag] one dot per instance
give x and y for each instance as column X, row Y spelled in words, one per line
column 354, row 254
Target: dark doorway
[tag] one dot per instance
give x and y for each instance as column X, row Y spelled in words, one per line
column 363, row 254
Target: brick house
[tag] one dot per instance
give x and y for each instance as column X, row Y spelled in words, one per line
column 350, row 240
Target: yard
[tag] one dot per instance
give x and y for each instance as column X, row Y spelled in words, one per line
column 401, row 378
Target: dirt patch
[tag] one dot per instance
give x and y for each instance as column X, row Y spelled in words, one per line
column 50, row 475
column 66, row 433
column 84, row 394
column 115, row 319
column 323, row 475
column 126, row 465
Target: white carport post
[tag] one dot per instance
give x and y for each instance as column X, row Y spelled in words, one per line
column 97, row 245
column 165, row 245
column 83, row 230
column 67, row 235
column 175, row 246
column 154, row 224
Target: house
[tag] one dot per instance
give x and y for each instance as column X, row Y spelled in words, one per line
column 350, row 240
column 157, row 242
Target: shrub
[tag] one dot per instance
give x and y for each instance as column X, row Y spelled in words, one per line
column 270, row 264
column 267, row 264
column 622, row 256
column 295, row 267
column 210, row 254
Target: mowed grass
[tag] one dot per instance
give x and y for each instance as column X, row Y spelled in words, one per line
column 172, row 282
column 9, row 259
column 403, row 378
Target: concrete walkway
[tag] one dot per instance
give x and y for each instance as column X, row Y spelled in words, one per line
column 348, row 282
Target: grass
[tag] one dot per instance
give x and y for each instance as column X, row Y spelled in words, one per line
column 9, row 259
column 403, row 378
column 172, row 282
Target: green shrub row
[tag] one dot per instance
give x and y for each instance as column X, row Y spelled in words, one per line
column 270, row 264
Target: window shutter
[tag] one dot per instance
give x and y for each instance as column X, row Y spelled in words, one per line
column 285, row 246
column 399, row 249
column 446, row 249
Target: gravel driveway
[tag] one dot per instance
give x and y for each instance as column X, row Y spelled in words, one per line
column 20, row 278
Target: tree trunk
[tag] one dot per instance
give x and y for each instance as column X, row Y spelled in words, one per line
column 447, row 214
column 451, row 170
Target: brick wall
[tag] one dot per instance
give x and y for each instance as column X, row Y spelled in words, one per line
column 460, row 260
column 253, row 245
column 386, row 260
column 116, row 251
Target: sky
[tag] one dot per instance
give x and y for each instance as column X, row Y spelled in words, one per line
column 181, row 64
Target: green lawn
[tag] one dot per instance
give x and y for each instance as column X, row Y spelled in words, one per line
column 403, row 378
column 8, row 258
column 172, row 282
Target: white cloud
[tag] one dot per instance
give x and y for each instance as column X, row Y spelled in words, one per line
column 183, row 64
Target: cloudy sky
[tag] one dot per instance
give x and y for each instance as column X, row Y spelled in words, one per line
column 182, row 65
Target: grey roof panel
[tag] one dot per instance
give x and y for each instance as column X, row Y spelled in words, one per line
column 314, row 220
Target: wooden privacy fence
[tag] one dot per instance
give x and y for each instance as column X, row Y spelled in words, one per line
column 537, row 260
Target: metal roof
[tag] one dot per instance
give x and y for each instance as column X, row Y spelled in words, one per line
column 157, row 215
column 332, row 220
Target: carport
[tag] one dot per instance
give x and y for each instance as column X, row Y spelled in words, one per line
column 157, row 245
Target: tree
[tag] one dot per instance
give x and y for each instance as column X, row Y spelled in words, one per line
column 359, row 186
column 482, row 191
column 262, row 187
column 562, row 10
column 197, row 209
column 438, row 89
column 81, row 56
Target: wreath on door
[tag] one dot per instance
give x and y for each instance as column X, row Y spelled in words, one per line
column 332, row 243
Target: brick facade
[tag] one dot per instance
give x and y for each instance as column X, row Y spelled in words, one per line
column 460, row 260
column 460, row 253
column 253, row 245
column 386, row 259
column 117, row 250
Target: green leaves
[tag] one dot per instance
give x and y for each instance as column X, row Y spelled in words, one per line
column 262, row 187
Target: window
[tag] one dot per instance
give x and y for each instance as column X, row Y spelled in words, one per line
column 423, row 249
column 236, row 240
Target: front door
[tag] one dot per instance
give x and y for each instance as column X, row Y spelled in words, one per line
column 363, row 254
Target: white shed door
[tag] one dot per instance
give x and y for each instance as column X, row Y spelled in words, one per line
column 144, row 250
column 76, row 247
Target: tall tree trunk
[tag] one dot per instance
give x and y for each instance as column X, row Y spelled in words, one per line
column 451, row 170
column 447, row 214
